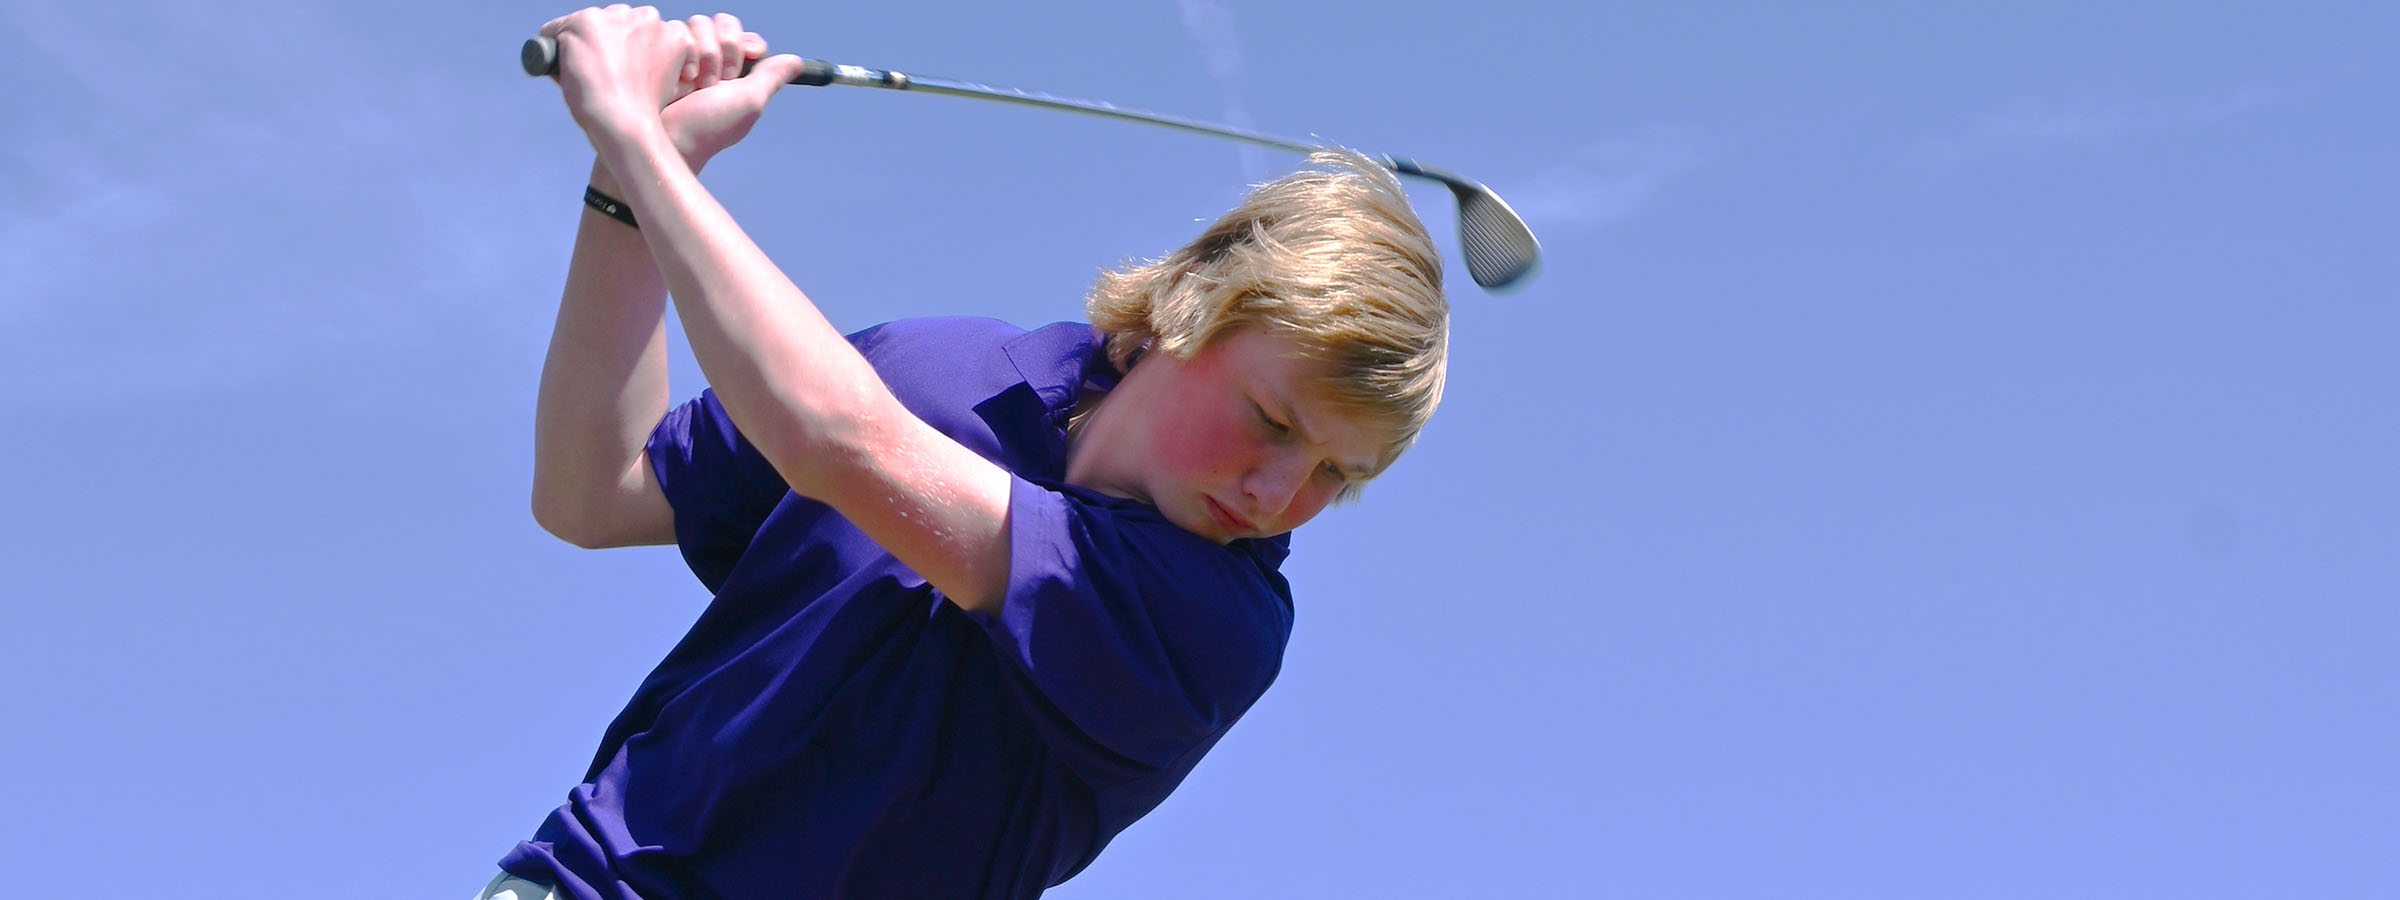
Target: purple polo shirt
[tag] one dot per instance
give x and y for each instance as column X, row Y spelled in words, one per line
column 832, row 727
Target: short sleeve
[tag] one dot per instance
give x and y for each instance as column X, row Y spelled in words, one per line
column 1144, row 642
column 721, row 488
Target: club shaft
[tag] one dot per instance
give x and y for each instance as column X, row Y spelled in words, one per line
column 1104, row 110
column 1501, row 250
column 541, row 58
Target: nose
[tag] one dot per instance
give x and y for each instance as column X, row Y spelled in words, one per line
column 1274, row 484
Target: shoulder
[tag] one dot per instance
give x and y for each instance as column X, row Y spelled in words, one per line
column 939, row 351
column 1214, row 607
column 902, row 332
column 1147, row 642
column 999, row 389
column 940, row 369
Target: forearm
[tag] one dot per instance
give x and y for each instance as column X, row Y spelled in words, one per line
column 788, row 378
column 798, row 391
column 604, row 381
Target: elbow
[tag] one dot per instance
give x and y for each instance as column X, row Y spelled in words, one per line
column 597, row 514
column 566, row 520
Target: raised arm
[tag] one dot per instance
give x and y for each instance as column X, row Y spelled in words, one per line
column 604, row 381
column 604, row 385
column 801, row 394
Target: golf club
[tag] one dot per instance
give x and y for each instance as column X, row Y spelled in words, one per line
column 1500, row 249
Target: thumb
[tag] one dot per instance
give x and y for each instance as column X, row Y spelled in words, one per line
column 774, row 72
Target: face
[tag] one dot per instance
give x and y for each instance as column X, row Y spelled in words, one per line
column 1235, row 442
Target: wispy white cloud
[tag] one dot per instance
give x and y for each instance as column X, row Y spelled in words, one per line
column 2039, row 124
column 246, row 188
column 1606, row 180
column 1210, row 25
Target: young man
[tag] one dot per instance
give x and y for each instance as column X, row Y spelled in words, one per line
column 983, row 596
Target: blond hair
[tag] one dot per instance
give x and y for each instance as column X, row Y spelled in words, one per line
column 1331, row 256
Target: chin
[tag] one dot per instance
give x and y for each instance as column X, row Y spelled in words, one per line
column 1204, row 525
column 1195, row 519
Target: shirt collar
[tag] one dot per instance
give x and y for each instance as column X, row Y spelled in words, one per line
column 1057, row 360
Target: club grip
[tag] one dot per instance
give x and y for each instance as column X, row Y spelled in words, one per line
column 540, row 58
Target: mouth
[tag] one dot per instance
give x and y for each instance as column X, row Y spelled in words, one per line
column 1228, row 519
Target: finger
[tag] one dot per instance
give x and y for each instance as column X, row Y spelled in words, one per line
column 706, row 58
column 672, row 37
column 554, row 26
column 729, row 46
column 753, row 46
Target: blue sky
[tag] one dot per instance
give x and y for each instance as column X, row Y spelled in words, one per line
column 1949, row 450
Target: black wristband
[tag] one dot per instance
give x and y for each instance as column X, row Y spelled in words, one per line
column 609, row 206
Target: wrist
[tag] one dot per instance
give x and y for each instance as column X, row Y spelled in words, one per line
column 635, row 156
column 693, row 154
column 613, row 131
column 606, row 181
column 603, row 203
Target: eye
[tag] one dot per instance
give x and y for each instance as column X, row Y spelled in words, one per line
column 1331, row 471
column 1272, row 426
